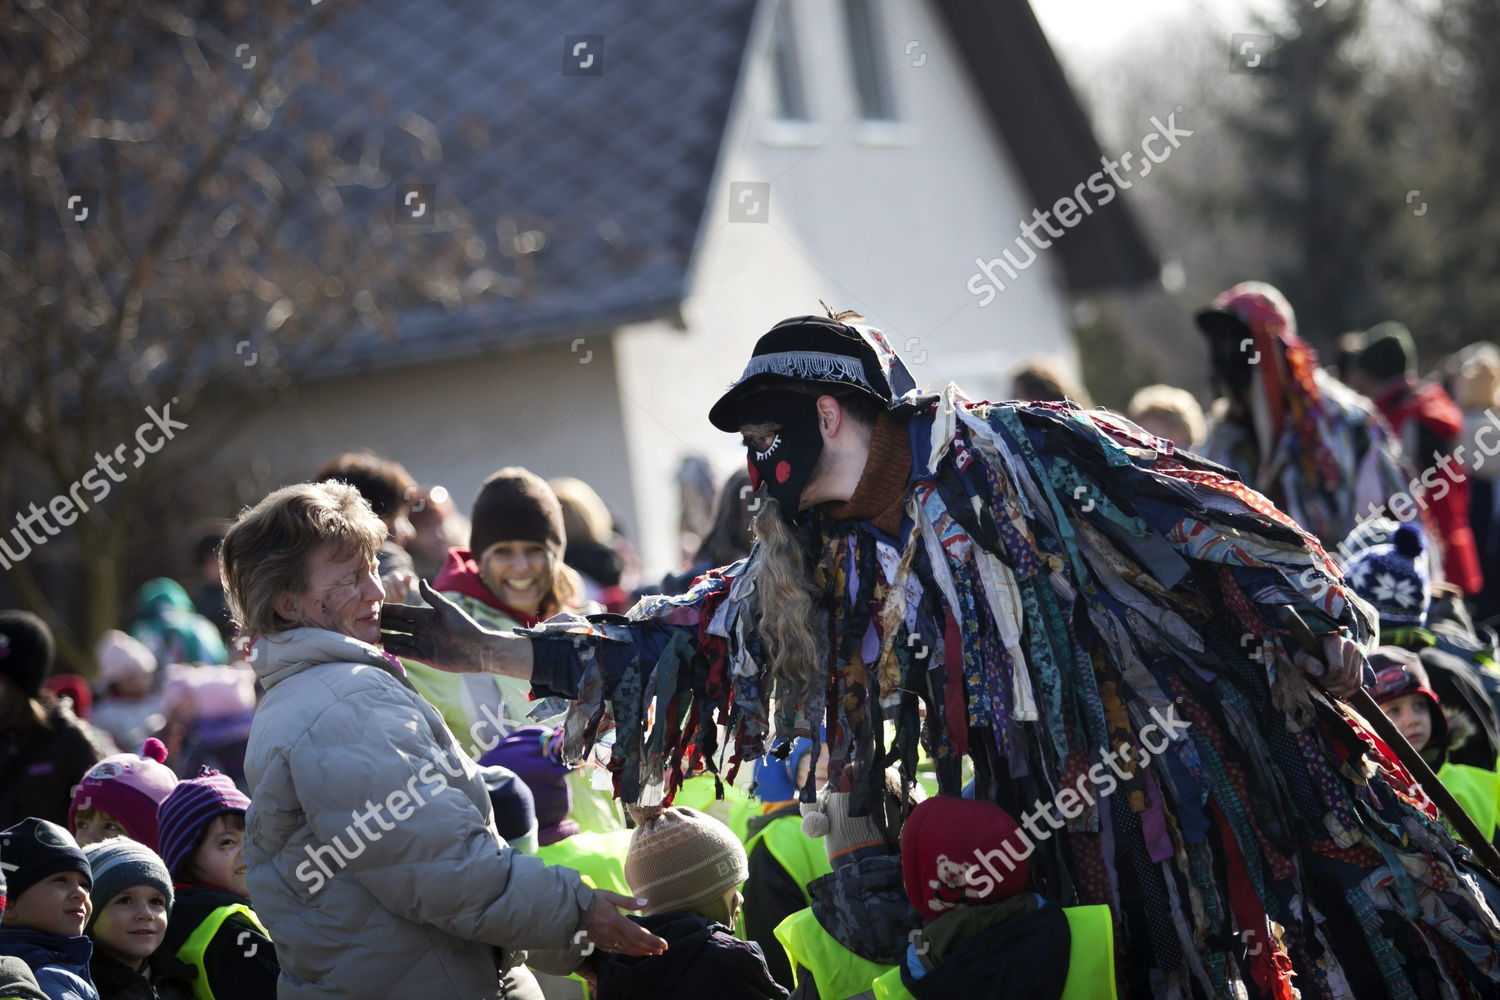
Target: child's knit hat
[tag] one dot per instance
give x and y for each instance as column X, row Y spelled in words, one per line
column 961, row 852
column 776, row 779
column 853, row 838
column 1393, row 577
column 122, row 656
column 120, row 863
column 187, row 811
column 680, row 858
column 34, row 848
column 130, row 787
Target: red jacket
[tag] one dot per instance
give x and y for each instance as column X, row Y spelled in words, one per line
column 1427, row 420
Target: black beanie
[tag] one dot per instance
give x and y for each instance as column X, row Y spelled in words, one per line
column 26, row 650
column 515, row 505
column 34, row 849
column 1388, row 352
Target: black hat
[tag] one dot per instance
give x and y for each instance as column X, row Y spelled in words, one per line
column 515, row 504
column 1388, row 351
column 35, row 848
column 26, row 650
column 822, row 351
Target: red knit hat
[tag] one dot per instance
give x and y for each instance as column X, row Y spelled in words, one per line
column 130, row 787
column 961, row 852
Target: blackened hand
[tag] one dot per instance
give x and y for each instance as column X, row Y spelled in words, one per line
column 441, row 635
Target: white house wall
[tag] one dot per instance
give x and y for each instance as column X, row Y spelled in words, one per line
column 885, row 219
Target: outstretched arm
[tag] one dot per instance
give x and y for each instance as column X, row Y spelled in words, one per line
column 444, row 636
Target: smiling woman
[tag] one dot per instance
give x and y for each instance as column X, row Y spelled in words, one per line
column 440, row 897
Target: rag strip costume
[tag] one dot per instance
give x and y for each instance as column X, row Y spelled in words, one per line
column 1033, row 586
column 1318, row 449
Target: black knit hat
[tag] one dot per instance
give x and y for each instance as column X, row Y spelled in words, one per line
column 34, row 849
column 515, row 504
column 26, row 650
column 819, row 350
column 1388, row 352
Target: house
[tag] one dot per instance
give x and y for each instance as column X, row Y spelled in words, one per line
column 668, row 178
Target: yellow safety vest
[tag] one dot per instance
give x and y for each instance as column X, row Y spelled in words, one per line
column 804, row 858
column 733, row 810
column 838, row 972
column 600, row 857
column 1478, row 791
column 1091, row 959
column 196, row 945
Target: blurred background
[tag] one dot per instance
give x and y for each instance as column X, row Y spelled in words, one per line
column 467, row 234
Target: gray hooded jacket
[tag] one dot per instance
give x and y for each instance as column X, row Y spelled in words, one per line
column 371, row 843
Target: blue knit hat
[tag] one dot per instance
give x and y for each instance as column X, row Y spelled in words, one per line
column 34, row 848
column 119, row 863
column 1393, row 577
column 776, row 780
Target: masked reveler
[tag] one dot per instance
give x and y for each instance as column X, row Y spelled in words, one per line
column 1095, row 619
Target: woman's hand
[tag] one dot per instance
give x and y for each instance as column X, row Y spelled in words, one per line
column 443, row 636
column 610, row 930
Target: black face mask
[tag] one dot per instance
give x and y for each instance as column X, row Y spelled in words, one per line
column 786, row 463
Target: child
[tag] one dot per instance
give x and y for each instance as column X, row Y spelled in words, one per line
column 213, row 934
column 1404, row 693
column 129, row 708
column 980, row 923
column 48, row 906
column 130, row 920
column 687, row 866
column 119, row 796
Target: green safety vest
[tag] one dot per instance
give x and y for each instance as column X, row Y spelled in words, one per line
column 733, row 810
column 804, row 858
column 838, row 973
column 600, row 857
column 196, row 945
column 1091, row 959
column 1478, row 791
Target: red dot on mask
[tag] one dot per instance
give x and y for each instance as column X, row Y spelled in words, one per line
column 754, row 475
column 783, row 472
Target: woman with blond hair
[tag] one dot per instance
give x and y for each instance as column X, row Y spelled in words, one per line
column 373, row 855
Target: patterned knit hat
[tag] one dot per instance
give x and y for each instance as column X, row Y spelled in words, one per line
column 534, row 754
column 853, row 838
column 130, row 787
column 680, row 859
column 34, row 848
column 1393, row 577
column 119, row 864
column 185, row 814
column 961, row 852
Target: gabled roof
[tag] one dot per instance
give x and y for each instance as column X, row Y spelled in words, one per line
column 614, row 169
column 1037, row 114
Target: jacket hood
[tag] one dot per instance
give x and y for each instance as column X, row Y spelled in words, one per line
column 864, row 907
column 161, row 594
column 284, row 654
column 739, row 971
column 460, row 575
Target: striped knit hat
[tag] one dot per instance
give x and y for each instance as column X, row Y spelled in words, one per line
column 680, row 858
column 186, row 813
column 119, row 863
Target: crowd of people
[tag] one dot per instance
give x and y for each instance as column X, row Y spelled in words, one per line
column 1020, row 691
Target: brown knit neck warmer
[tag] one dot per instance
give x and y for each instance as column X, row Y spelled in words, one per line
column 880, row 495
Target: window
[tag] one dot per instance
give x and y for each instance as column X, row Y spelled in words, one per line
column 872, row 75
column 786, row 71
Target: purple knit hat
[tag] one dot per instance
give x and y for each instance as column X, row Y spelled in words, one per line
column 130, row 787
column 534, row 754
column 186, row 813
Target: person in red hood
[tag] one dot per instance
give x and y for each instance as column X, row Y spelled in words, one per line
column 512, row 575
column 1429, row 424
column 1289, row 429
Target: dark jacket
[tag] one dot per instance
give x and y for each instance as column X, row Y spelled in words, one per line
column 17, row 982
column 60, row 964
column 977, row 955
column 703, row 959
column 241, row 961
column 771, row 895
column 39, row 767
column 863, row 906
column 117, row 982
